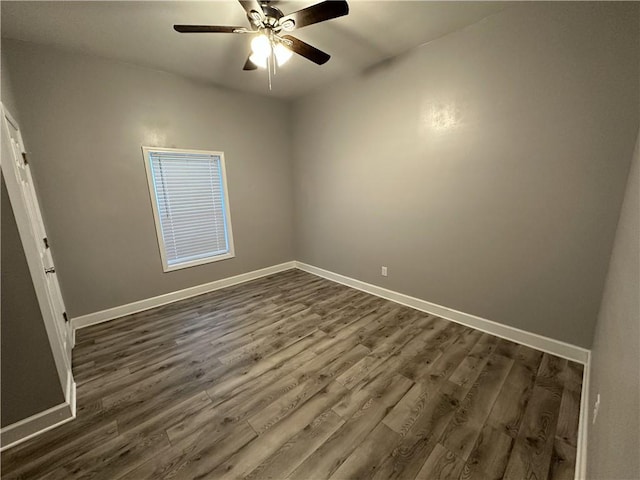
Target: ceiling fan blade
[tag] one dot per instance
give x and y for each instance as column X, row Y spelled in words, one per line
column 206, row 29
column 306, row 50
column 249, row 65
column 317, row 13
column 252, row 6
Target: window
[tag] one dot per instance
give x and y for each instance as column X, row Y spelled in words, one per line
column 190, row 206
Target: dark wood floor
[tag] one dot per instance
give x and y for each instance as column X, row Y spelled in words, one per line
column 296, row 377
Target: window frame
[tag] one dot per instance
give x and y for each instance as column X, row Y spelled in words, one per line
column 156, row 215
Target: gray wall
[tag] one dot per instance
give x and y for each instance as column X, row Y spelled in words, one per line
column 485, row 169
column 84, row 119
column 6, row 88
column 29, row 381
column 615, row 437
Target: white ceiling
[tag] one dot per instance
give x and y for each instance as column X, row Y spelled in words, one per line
column 142, row 33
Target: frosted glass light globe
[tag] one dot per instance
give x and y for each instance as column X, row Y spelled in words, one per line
column 261, row 46
column 258, row 61
column 282, row 53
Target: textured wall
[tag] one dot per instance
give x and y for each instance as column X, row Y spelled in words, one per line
column 84, row 119
column 485, row 169
column 6, row 88
column 29, row 380
column 615, row 362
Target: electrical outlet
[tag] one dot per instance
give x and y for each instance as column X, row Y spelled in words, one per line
column 596, row 407
column 383, row 271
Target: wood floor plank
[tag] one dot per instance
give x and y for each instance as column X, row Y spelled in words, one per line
column 158, row 466
column 550, row 374
column 529, row 357
column 132, row 448
column 347, row 314
column 441, row 465
column 35, row 466
column 121, row 454
column 233, row 378
column 404, row 414
column 127, row 387
column 263, row 347
column 223, row 416
column 229, row 312
column 362, row 462
column 563, row 461
column 490, row 454
column 569, row 416
column 257, row 451
column 472, row 365
column 512, row 400
column 408, row 457
column 358, row 326
column 290, row 455
column 78, row 430
column 196, row 458
column 387, row 392
column 411, row 361
column 227, row 347
column 164, row 394
column 461, row 435
column 573, row 375
column 393, row 342
column 532, row 451
column 332, row 453
column 446, row 363
column 317, row 379
column 294, row 376
column 507, row 349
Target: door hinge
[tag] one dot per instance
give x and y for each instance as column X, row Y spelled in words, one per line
column 24, row 158
column 46, row 242
column 64, row 315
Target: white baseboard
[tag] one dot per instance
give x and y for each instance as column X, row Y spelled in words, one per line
column 23, row 430
column 539, row 342
column 533, row 340
column 71, row 396
column 146, row 304
column 583, row 425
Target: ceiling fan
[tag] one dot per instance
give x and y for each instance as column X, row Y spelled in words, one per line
column 270, row 46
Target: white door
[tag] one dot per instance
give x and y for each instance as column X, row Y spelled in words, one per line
column 24, row 201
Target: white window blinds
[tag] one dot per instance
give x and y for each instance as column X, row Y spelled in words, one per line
column 190, row 203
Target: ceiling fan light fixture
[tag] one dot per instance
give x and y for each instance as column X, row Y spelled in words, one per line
column 271, row 46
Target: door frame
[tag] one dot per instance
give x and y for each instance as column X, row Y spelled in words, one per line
column 61, row 355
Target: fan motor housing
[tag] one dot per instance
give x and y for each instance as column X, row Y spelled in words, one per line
column 272, row 15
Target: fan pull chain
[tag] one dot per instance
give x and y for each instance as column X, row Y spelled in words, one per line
column 273, row 57
column 270, row 58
